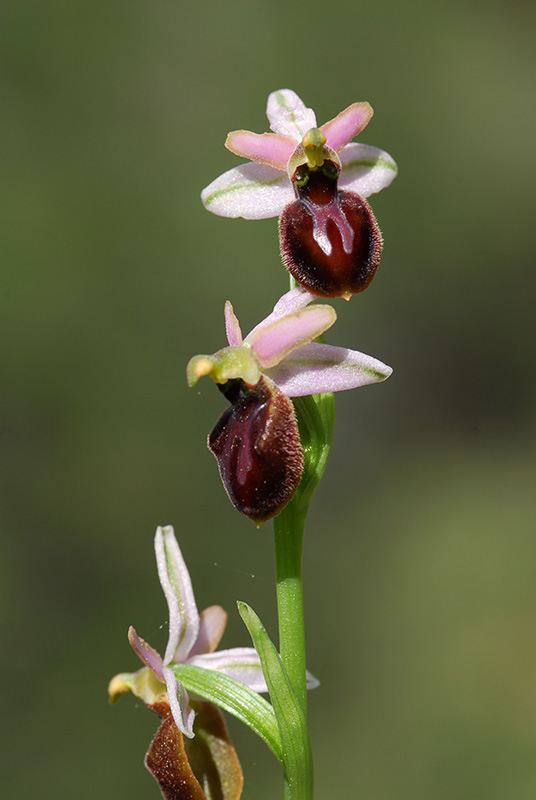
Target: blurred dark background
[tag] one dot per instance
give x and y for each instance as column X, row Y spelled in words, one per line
column 421, row 548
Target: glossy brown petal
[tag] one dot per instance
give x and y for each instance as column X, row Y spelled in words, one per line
column 167, row 761
column 257, row 446
column 203, row 768
column 330, row 241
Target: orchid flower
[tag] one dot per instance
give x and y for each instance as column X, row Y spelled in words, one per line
column 256, row 441
column 184, row 769
column 193, row 639
column 315, row 180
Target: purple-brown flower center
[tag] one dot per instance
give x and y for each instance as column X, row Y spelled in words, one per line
column 330, row 241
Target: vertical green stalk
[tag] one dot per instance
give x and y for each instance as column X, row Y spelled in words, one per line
column 316, row 419
column 289, row 528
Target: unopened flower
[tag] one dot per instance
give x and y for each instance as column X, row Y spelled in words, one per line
column 256, row 441
column 315, row 180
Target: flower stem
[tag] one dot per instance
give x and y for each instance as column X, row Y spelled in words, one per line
column 316, row 418
column 289, row 529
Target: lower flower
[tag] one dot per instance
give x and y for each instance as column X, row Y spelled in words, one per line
column 191, row 756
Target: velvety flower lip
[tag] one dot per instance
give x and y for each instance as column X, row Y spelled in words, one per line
column 256, row 443
column 263, row 188
column 281, row 347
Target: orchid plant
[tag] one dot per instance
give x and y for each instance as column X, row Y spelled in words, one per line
column 271, row 445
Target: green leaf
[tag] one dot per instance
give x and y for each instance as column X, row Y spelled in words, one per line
column 236, row 698
column 297, row 755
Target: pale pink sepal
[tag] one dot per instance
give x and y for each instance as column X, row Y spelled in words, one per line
column 366, row 169
column 175, row 581
column 212, row 622
column 310, row 681
column 318, row 368
column 179, row 703
column 288, row 114
column 251, row 191
column 274, row 149
column 150, row 657
column 341, row 129
column 241, row 663
column 273, row 342
column 232, row 326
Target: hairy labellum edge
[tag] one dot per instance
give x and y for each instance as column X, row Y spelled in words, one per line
column 257, row 446
column 330, row 240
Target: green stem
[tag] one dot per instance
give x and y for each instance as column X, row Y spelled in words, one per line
column 289, row 529
column 316, row 418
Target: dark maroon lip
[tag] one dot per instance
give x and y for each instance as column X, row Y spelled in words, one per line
column 330, row 240
column 257, row 446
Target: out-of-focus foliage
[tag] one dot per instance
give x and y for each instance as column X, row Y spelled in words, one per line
column 113, row 119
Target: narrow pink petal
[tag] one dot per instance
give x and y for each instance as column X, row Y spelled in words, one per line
column 289, row 115
column 317, row 368
column 252, row 191
column 232, row 326
column 366, row 169
column 241, row 663
column 268, row 148
column 273, row 342
column 179, row 702
column 175, row 581
column 341, row 129
column 212, row 624
column 148, row 655
column 292, row 301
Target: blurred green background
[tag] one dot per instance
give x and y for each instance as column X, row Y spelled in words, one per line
column 421, row 548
